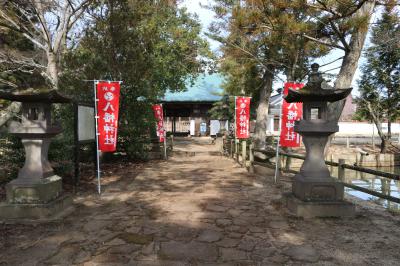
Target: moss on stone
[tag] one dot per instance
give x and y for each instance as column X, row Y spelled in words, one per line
column 136, row 238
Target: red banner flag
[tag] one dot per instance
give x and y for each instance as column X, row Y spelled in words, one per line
column 242, row 117
column 107, row 112
column 291, row 112
column 158, row 114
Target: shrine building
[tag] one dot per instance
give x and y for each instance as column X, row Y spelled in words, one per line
column 186, row 113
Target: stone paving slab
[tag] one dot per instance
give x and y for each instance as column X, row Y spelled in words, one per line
column 201, row 210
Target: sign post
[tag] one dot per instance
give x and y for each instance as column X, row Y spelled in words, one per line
column 84, row 132
column 106, row 95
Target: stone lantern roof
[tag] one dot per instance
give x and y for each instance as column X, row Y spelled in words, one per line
column 316, row 90
column 34, row 95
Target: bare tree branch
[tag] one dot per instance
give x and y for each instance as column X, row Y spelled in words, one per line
column 46, row 24
column 40, row 14
column 340, row 35
column 323, row 42
column 15, row 25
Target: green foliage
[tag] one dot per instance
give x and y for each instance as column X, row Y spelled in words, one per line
column 12, row 156
column 152, row 46
column 223, row 110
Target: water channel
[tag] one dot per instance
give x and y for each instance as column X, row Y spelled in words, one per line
column 372, row 182
column 383, row 185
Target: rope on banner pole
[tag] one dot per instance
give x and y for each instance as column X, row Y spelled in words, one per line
column 95, row 82
column 278, row 142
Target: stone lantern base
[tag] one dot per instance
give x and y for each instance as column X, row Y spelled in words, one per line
column 318, row 197
column 35, row 200
column 311, row 209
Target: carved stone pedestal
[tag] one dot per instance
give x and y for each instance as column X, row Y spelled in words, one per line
column 20, row 191
column 327, row 189
column 311, row 209
column 315, row 192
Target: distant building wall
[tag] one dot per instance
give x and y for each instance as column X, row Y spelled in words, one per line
column 359, row 128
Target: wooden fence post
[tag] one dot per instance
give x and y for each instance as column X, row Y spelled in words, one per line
column 341, row 173
column 231, row 148
column 288, row 159
column 251, row 158
column 237, row 149
column 244, row 153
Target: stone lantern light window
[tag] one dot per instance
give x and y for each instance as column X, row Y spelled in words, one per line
column 315, row 113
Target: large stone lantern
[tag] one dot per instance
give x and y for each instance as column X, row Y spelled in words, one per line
column 37, row 191
column 314, row 192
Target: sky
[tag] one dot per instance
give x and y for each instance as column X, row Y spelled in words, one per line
column 206, row 16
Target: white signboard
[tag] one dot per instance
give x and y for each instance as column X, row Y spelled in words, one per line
column 192, row 127
column 86, row 128
column 215, row 126
column 203, row 127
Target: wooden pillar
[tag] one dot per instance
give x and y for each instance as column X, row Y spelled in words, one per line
column 237, row 147
column 244, row 155
column 251, row 158
column 341, row 172
column 231, row 147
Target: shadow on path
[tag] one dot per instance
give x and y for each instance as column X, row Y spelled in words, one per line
column 201, row 210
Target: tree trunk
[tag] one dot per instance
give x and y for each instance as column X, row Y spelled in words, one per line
column 262, row 109
column 389, row 133
column 9, row 112
column 52, row 69
column 378, row 124
column 383, row 145
column 351, row 57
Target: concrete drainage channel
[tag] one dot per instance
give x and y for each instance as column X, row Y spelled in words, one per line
column 194, row 153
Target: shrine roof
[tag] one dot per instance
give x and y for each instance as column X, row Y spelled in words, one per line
column 206, row 88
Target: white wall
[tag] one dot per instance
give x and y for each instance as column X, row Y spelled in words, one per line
column 354, row 128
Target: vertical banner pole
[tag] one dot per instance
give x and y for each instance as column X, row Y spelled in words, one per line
column 165, row 135
column 235, row 127
column 278, row 142
column 76, row 147
column 165, row 147
column 97, row 137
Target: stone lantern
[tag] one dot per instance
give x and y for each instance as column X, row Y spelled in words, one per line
column 314, row 192
column 37, row 191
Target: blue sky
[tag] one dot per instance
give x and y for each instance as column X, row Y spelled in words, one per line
column 206, row 16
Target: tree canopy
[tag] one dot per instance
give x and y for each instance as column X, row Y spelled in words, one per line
column 152, row 46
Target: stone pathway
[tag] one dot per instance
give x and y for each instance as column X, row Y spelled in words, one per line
column 201, row 210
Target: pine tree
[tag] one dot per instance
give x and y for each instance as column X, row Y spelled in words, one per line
column 265, row 38
column 379, row 85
